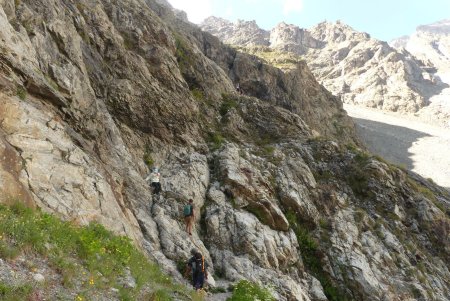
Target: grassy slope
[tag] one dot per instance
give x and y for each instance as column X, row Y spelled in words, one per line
column 89, row 259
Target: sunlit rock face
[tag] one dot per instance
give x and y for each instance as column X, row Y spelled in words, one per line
column 92, row 91
column 409, row 75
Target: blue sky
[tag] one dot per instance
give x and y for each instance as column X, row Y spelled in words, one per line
column 383, row 19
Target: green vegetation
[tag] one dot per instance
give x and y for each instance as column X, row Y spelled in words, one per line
column 216, row 139
column 357, row 178
column 323, row 175
column 21, row 92
column 52, row 82
column 198, row 94
column 249, row 291
column 89, row 255
column 217, row 290
column 148, row 159
column 358, row 181
column 266, row 138
column 15, row 293
column 228, row 102
column 426, row 192
column 279, row 59
column 340, row 129
column 311, row 256
column 128, row 40
column 183, row 53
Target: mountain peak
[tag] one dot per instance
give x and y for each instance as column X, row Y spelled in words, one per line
column 337, row 31
column 441, row 27
column 240, row 32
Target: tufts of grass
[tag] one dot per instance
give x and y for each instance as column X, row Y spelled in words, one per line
column 129, row 42
column 72, row 250
column 15, row 293
column 51, row 82
column 358, row 181
column 228, row 102
column 21, row 92
column 278, row 59
column 426, row 192
column 148, row 159
column 249, row 291
column 183, row 53
column 198, row 94
column 217, row 290
column 323, row 175
column 216, row 140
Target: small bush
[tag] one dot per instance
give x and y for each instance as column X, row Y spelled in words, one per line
column 249, row 291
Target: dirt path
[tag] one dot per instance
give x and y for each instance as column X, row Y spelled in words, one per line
column 420, row 147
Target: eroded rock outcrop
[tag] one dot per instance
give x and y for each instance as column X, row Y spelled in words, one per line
column 91, row 91
column 431, row 44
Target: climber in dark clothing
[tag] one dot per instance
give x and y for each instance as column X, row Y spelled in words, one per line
column 238, row 88
column 198, row 266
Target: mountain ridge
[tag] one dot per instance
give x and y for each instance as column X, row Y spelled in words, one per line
column 362, row 70
column 95, row 94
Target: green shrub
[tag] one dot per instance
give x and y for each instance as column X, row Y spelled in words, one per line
column 249, row 291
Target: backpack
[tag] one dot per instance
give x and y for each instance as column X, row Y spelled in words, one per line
column 198, row 265
column 187, row 210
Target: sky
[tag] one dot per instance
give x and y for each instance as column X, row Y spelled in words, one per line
column 382, row 19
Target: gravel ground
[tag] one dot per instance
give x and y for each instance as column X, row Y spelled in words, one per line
column 404, row 140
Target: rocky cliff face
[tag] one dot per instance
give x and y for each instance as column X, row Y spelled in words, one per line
column 240, row 33
column 90, row 91
column 431, row 43
column 362, row 70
